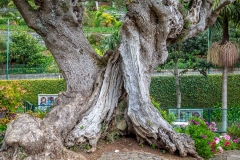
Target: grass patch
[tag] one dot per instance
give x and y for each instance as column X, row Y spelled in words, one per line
column 16, row 28
column 106, row 30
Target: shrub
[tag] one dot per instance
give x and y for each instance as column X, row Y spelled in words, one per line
column 234, row 131
column 201, row 134
column 11, row 97
column 207, row 142
column 95, row 38
column 197, row 91
column 3, row 21
column 35, row 87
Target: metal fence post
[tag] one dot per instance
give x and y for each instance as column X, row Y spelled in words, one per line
column 209, row 116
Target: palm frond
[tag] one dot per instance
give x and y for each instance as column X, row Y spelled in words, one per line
column 232, row 11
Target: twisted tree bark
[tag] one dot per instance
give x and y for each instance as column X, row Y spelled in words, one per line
column 94, row 92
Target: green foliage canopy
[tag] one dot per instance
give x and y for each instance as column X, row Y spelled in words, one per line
column 26, row 50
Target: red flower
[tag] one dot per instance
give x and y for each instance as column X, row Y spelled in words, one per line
column 213, row 151
column 227, row 143
column 212, row 144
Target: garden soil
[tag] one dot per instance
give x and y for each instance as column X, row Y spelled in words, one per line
column 127, row 145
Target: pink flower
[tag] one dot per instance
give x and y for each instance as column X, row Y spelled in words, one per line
column 220, row 149
column 235, row 140
column 204, row 136
column 217, row 140
column 227, row 137
column 212, row 126
column 197, row 123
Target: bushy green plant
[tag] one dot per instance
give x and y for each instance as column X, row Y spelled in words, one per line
column 95, row 41
column 207, row 142
column 95, row 38
column 170, row 118
column 3, row 21
column 35, row 87
column 234, row 131
column 11, row 96
column 201, row 134
column 110, row 42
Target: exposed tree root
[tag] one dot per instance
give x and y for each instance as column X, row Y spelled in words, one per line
column 24, row 139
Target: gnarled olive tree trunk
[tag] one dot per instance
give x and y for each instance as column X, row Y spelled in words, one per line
column 96, row 89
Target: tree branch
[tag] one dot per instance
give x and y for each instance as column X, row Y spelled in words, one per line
column 27, row 12
column 222, row 5
column 200, row 17
column 76, row 11
column 216, row 12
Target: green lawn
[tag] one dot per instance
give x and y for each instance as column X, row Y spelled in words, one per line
column 105, row 30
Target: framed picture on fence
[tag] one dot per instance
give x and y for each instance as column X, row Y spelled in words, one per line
column 46, row 100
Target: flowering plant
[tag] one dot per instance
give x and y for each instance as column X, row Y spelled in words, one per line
column 11, row 97
column 212, row 126
column 201, row 134
column 221, row 143
column 207, row 142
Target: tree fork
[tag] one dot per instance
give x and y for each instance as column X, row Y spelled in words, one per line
column 148, row 28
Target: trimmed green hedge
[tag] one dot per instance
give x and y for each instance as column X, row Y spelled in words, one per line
column 35, row 87
column 197, row 91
